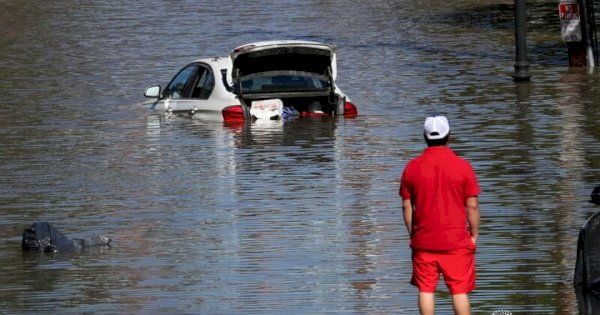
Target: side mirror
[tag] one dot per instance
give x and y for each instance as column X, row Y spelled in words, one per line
column 153, row 91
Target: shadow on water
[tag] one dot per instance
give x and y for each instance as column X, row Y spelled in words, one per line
column 47, row 273
column 545, row 46
column 540, row 14
column 542, row 19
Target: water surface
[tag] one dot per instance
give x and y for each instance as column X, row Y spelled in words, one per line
column 302, row 218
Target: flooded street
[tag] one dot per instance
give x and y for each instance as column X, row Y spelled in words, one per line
column 303, row 218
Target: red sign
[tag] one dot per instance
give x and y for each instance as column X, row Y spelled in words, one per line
column 570, row 24
column 568, row 11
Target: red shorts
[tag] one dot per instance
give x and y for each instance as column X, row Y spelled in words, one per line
column 457, row 266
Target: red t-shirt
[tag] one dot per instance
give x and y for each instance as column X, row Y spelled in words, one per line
column 438, row 182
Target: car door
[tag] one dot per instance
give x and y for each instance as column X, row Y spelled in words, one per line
column 190, row 89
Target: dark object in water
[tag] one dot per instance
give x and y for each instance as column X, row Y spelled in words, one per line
column 587, row 266
column 587, row 271
column 596, row 195
column 43, row 237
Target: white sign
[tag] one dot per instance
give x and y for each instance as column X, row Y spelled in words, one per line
column 570, row 23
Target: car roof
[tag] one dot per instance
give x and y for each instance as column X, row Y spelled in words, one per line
column 217, row 62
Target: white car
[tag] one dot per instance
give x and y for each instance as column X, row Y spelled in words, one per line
column 298, row 76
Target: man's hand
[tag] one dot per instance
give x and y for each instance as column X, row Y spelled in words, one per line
column 408, row 214
column 472, row 204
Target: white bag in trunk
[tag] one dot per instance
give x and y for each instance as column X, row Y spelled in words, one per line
column 267, row 109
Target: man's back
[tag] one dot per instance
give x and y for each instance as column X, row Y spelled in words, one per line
column 438, row 182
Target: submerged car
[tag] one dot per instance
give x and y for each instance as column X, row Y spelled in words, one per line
column 280, row 76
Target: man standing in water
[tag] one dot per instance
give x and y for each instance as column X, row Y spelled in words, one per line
column 439, row 193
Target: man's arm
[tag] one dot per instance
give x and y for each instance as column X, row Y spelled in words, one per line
column 472, row 204
column 408, row 214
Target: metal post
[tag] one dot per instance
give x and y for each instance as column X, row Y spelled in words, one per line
column 587, row 32
column 521, row 64
column 577, row 29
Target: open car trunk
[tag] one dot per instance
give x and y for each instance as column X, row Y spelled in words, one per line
column 300, row 74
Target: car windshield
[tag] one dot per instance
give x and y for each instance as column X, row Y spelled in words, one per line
column 267, row 83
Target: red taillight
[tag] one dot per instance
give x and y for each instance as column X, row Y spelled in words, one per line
column 350, row 110
column 233, row 113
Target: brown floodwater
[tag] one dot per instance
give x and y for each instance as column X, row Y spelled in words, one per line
column 302, row 218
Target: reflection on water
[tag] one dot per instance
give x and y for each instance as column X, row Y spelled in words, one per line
column 301, row 217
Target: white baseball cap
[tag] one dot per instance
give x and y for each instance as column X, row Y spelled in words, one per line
column 436, row 127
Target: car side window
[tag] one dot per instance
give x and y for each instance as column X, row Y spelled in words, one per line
column 180, row 86
column 204, row 83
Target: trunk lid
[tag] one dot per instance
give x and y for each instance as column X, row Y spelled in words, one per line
column 290, row 55
column 275, row 69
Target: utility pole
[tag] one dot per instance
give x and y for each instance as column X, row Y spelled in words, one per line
column 521, row 63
